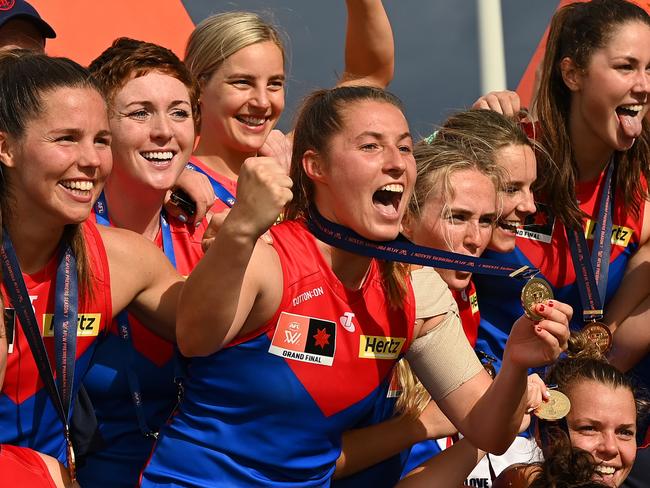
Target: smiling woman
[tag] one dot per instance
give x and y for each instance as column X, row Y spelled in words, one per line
column 275, row 381
column 597, row 440
column 55, row 155
column 153, row 112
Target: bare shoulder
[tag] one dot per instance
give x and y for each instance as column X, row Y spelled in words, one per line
column 57, row 471
column 122, row 243
column 516, row 476
column 136, row 264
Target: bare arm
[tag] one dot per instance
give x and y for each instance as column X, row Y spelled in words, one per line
column 449, row 468
column 237, row 284
column 632, row 338
column 142, row 280
column 369, row 45
column 491, row 413
column 368, row 446
column 633, row 290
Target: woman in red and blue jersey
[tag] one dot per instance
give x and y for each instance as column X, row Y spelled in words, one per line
column 266, row 404
column 55, row 155
column 153, row 113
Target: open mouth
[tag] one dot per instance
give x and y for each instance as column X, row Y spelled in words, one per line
column 388, row 198
column 251, row 120
column 158, row 158
column 509, row 225
column 81, row 188
column 629, row 119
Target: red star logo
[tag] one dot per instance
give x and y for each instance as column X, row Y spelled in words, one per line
column 322, row 338
column 540, row 218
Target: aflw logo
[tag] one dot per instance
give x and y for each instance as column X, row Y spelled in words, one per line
column 292, row 333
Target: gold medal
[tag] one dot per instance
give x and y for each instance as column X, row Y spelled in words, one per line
column 72, row 468
column 599, row 334
column 555, row 408
column 534, row 292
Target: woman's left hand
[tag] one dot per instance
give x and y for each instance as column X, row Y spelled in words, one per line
column 537, row 343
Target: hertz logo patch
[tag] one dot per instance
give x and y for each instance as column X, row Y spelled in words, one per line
column 621, row 235
column 380, row 347
column 87, row 324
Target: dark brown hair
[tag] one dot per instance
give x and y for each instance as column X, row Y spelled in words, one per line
column 25, row 78
column 576, row 31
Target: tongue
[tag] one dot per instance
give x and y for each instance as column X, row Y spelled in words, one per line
column 630, row 125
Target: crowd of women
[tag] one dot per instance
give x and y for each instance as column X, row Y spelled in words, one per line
column 350, row 310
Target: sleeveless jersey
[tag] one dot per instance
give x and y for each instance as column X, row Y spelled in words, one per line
column 388, row 472
column 227, row 183
column 24, row 468
column 270, row 409
column 543, row 244
column 126, row 449
column 27, row 416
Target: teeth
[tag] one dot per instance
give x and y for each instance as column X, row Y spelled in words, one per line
column 78, row 185
column 158, row 155
column 250, row 120
column 602, row 469
column 395, row 187
column 632, row 108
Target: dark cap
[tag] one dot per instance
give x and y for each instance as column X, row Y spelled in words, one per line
column 16, row 9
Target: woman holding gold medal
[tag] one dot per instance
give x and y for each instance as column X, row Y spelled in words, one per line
column 594, row 442
column 475, row 156
column 346, row 138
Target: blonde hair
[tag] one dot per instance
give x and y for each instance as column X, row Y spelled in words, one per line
column 220, row 36
column 413, row 397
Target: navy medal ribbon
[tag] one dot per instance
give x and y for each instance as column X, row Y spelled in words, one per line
column 404, row 251
column 64, row 323
column 124, row 327
column 592, row 269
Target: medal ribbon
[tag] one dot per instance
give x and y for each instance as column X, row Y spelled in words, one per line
column 219, row 190
column 64, row 323
column 123, row 325
column 404, row 251
column 592, row 270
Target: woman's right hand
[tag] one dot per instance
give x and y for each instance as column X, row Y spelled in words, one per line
column 505, row 102
column 536, row 343
column 263, row 189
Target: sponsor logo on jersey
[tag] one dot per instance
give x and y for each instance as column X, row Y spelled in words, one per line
column 538, row 226
column 473, row 301
column 380, row 347
column 307, row 295
column 10, row 328
column 621, row 235
column 346, row 321
column 87, row 324
column 306, row 339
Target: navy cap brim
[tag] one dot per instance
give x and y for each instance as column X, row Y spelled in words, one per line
column 43, row 27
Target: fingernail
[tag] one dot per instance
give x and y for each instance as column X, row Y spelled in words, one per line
column 550, row 303
column 541, row 307
column 182, row 218
column 538, row 328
